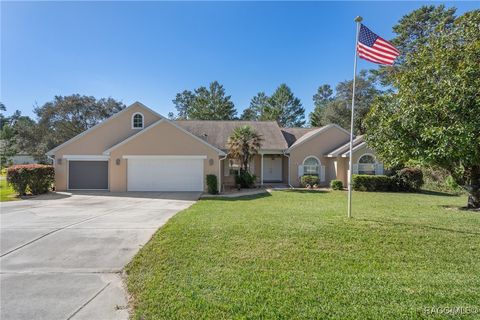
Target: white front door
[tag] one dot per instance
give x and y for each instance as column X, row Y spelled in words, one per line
column 272, row 168
column 165, row 174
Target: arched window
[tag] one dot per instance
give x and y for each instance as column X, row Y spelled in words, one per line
column 366, row 164
column 137, row 121
column 311, row 166
column 366, row 158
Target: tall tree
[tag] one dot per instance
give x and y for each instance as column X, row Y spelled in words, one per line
column 320, row 100
column 205, row 104
column 257, row 106
column 434, row 117
column 412, row 32
column 337, row 109
column 285, row 108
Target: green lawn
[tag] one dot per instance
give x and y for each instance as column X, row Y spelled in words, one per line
column 295, row 255
column 6, row 192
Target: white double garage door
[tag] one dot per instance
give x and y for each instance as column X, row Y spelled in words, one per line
column 167, row 173
column 144, row 173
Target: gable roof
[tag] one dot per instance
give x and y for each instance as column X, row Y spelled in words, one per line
column 309, row 135
column 135, row 104
column 153, row 125
column 344, row 150
column 293, row 134
column 217, row 132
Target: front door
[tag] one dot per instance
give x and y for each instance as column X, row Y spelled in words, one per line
column 272, row 168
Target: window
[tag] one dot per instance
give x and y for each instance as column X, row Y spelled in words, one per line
column 233, row 167
column 366, row 164
column 311, row 166
column 137, row 121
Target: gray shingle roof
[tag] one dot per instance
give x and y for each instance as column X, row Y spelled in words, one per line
column 217, row 132
column 342, row 150
column 293, row 134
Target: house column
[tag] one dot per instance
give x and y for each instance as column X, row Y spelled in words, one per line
column 261, row 169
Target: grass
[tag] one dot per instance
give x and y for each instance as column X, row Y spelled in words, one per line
column 6, row 192
column 294, row 255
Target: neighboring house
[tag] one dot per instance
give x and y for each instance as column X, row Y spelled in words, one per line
column 22, row 159
column 19, row 158
column 139, row 150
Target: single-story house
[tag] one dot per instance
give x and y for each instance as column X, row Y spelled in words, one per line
column 137, row 149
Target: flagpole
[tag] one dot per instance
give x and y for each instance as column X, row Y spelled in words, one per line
column 358, row 20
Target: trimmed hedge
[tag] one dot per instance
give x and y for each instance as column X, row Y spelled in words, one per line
column 33, row 178
column 308, row 180
column 336, row 184
column 405, row 180
column 212, row 184
column 365, row 182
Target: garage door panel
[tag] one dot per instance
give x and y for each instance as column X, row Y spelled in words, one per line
column 165, row 174
column 88, row 175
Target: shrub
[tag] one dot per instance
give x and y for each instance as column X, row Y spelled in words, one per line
column 365, row 182
column 245, row 179
column 212, row 184
column 409, row 179
column 336, row 184
column 308, row 180
column 34, row 178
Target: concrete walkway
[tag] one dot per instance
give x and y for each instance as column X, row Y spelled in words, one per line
column 62, row 255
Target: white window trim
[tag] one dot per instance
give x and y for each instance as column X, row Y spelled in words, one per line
column 143, row 121
column 367, row 154
column 318, row 166
column 76, row 157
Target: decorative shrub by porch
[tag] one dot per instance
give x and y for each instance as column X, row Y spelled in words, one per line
column 212, row 184
column 33, row 178
column 365, row 182
column 336, row 184
column 409, row 179
column 245, row 179
column 308, row 180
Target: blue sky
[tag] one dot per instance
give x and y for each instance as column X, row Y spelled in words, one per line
column 149, row 51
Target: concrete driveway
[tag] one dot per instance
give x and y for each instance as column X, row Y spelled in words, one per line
column 62, row 255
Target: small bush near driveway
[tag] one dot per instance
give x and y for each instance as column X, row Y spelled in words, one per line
column 33, row 178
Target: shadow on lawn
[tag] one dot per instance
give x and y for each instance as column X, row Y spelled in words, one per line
column 305, row 191
column 438, row 193
column 240, row 198
column 392, row 223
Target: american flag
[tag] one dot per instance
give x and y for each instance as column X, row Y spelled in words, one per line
column 373, row 48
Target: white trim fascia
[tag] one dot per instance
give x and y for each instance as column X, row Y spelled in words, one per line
column 199, row 157
column 107, row 152
column 321, row 130
column 136, row 103
column 271, row 151
column 342, row 149
column 356, row 148
column 87, row 157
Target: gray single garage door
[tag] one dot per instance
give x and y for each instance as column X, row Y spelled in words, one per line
column 86, row 175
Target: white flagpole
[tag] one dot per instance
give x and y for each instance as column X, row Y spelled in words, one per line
column 358, row 20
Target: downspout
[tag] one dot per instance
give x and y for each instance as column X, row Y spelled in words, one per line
column 220, row 172
column 288, row 171
column 51, row 158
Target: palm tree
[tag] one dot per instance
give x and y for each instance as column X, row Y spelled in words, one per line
column 243, row 144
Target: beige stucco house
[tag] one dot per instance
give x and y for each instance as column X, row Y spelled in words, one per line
column 137, row 149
